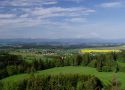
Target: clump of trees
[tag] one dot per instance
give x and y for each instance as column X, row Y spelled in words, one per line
column 8, row 64
column 57, row 82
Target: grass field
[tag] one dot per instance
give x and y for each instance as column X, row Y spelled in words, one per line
column 105, row 77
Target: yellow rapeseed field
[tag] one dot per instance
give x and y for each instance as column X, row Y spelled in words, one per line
column 98, row 51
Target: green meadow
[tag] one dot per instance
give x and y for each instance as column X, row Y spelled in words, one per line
column 105, row 77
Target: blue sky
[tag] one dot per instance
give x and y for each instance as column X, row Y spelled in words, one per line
column 62, row 19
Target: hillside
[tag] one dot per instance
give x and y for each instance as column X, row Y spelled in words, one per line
column 105, row 77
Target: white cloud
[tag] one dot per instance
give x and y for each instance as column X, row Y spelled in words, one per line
column 42, row 16
column 59, row 11
column 50, row 3
column 111, row 4
column 29, row 13
column 2, row 16
column 76, row 20
column 24, row 15
column 27, row 2
column 18, row 22
column 94, row 34
column 77, row 1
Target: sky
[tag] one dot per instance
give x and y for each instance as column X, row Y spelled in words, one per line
column 55, row 19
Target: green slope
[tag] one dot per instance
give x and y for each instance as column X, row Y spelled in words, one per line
column 105, row 77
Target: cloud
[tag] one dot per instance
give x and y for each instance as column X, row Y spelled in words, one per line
column 76, row 20
column 50, row 3
column 59, row 11
column 94, row 34
column 23, row 14
column 21, row 22
column 111, row 4
column 27, row 2
column 3, row 16
column 30, row 17
column 77, row 1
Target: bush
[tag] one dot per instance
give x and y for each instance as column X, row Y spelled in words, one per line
column 1, row 85
column 80, row 86
column 93, row 84
column 121, row 68
column 93, row 64
column 11, row 70
column 106, row 69
column 3, row 73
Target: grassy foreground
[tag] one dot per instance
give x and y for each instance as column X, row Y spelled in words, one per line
column 105, row 77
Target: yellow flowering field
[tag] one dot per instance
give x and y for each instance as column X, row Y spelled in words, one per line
column 98, row 50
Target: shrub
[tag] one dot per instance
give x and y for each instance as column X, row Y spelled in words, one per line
column 121, row 68
column 11, row 70
column 93, row 64
column 106, row 69
column 80, row 86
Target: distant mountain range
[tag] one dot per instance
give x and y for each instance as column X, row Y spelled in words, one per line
column 61, row 41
